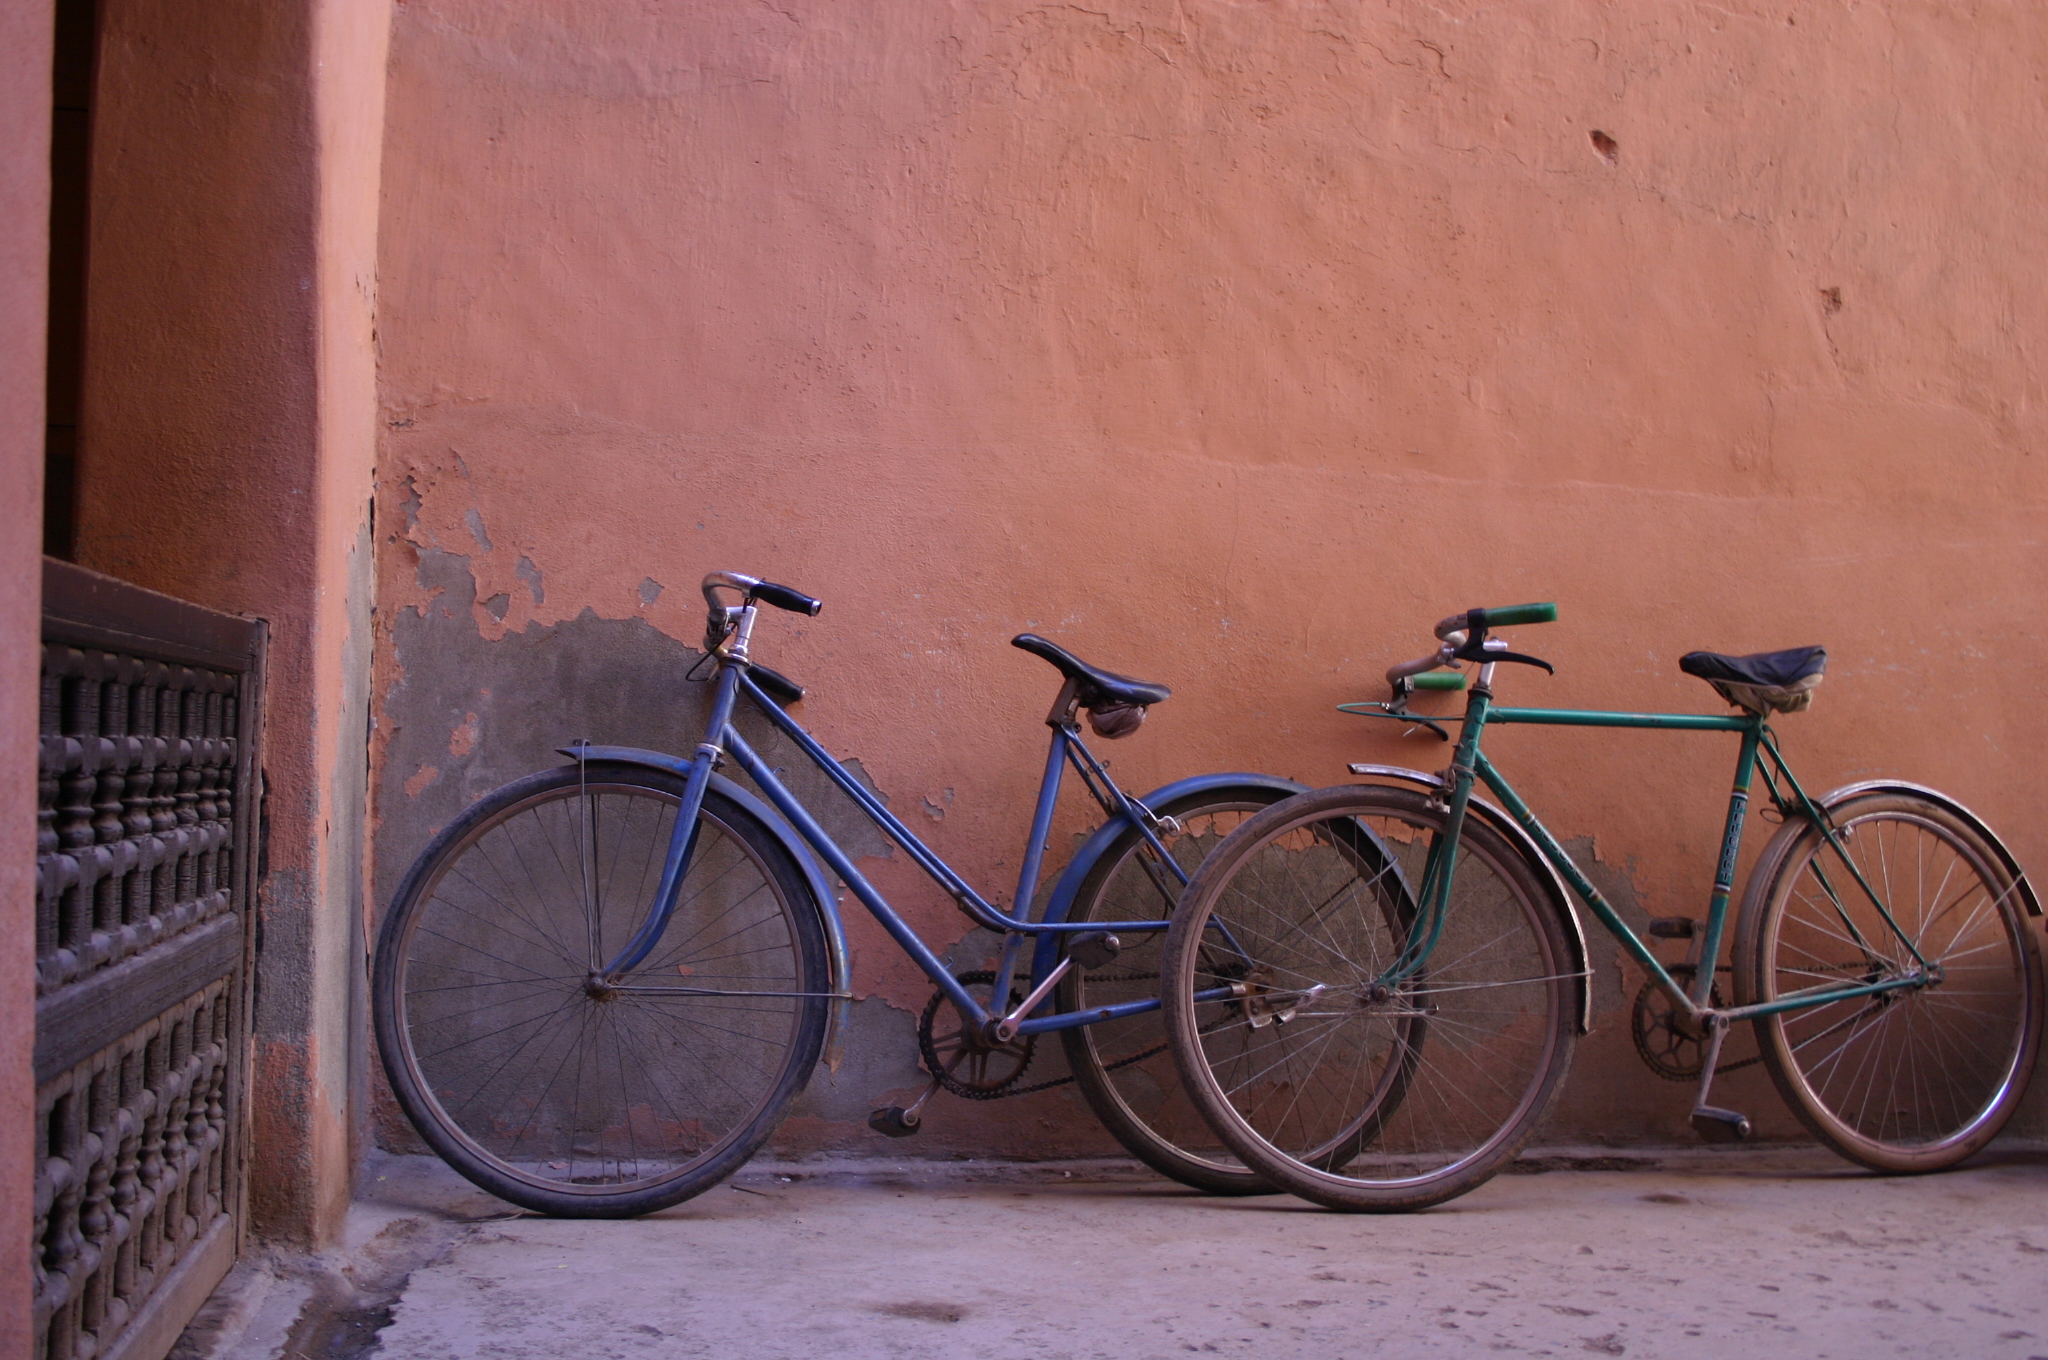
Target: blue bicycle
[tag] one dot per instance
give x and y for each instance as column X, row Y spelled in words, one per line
column 599, row 988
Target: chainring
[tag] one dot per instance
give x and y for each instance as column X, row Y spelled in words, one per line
column 1663, row 1047
column 962, row 1060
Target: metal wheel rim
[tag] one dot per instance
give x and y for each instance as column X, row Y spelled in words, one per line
column 1205, row 1158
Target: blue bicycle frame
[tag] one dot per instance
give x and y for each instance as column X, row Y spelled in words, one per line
column 722, row 739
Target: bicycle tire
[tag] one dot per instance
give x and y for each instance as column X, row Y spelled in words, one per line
column 1391, row 1097
column 563, row 1096
column 1124, row 1068
column 1952, row 1059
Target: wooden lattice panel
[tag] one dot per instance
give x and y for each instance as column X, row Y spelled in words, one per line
column 144, row 826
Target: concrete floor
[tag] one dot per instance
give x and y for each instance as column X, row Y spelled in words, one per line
column 1672, row 1254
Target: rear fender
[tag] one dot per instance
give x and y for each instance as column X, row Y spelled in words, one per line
column 823, row 898
column 1498, row 819
column 1061, row 903
column 1976, row 823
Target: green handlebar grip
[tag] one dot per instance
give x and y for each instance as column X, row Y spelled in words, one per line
column 1438, row 680
column 1513, row 614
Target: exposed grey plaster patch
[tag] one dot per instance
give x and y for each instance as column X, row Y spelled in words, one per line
column 881, row 1056
column 409, row 506
column 936, row 808
column 650, row 590
column 475, row 520
column 975, row 949
column 530, row 574
column 498, row 604
column 611, row 680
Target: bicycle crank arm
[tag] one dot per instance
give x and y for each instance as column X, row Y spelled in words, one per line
column 1090, row 950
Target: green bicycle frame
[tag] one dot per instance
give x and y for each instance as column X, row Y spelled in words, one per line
column 1470, row 767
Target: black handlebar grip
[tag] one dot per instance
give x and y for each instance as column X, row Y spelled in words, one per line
column 779, row 687
column 782, row 597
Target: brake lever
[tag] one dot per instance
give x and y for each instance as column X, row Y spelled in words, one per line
column 1474, row 649
column 1397, row 710
column 1513, row 656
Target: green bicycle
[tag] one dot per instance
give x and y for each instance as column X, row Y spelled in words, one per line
column 1373, row 991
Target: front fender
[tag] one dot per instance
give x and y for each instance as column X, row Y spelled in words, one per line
column 1061, row 902
column 1498, row 819
column 822, row 894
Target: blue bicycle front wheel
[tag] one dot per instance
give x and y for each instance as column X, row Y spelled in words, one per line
column 560, row 1089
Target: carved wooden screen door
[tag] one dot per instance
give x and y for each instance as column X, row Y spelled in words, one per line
column 145, row 868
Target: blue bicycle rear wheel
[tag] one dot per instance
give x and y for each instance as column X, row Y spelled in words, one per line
column 1124, row 1067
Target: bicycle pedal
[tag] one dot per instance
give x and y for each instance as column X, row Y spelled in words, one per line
column 1717, row 1125
column 1094, row 948
column 895, row 1121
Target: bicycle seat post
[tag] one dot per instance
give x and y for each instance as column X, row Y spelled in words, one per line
column 1064, row 706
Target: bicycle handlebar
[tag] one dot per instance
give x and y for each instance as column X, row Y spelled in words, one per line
column 1442, row 656
column 784, row 597
column 1455, row 630
column 754, row 588
column 1506, row 616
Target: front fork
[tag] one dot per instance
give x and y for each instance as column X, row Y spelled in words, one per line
column 682, row 842
column 1443, row 851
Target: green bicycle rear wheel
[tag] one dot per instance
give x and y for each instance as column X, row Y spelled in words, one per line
column 1910, row 1080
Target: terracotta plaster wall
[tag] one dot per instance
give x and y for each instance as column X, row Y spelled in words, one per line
column 25, row 37
column 1230, row 344
column 227, row 440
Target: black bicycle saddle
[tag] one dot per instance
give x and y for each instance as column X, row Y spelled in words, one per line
column 1773, row 669
column 1096, row 685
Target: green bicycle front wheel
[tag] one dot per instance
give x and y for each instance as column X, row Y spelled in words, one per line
column 1902, row 1081
column 1328, row 1068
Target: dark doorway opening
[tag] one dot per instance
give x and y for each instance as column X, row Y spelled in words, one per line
column 77, row 41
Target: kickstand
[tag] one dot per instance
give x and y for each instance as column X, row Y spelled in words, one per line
column 1711, row 1122
column 898, row 1121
